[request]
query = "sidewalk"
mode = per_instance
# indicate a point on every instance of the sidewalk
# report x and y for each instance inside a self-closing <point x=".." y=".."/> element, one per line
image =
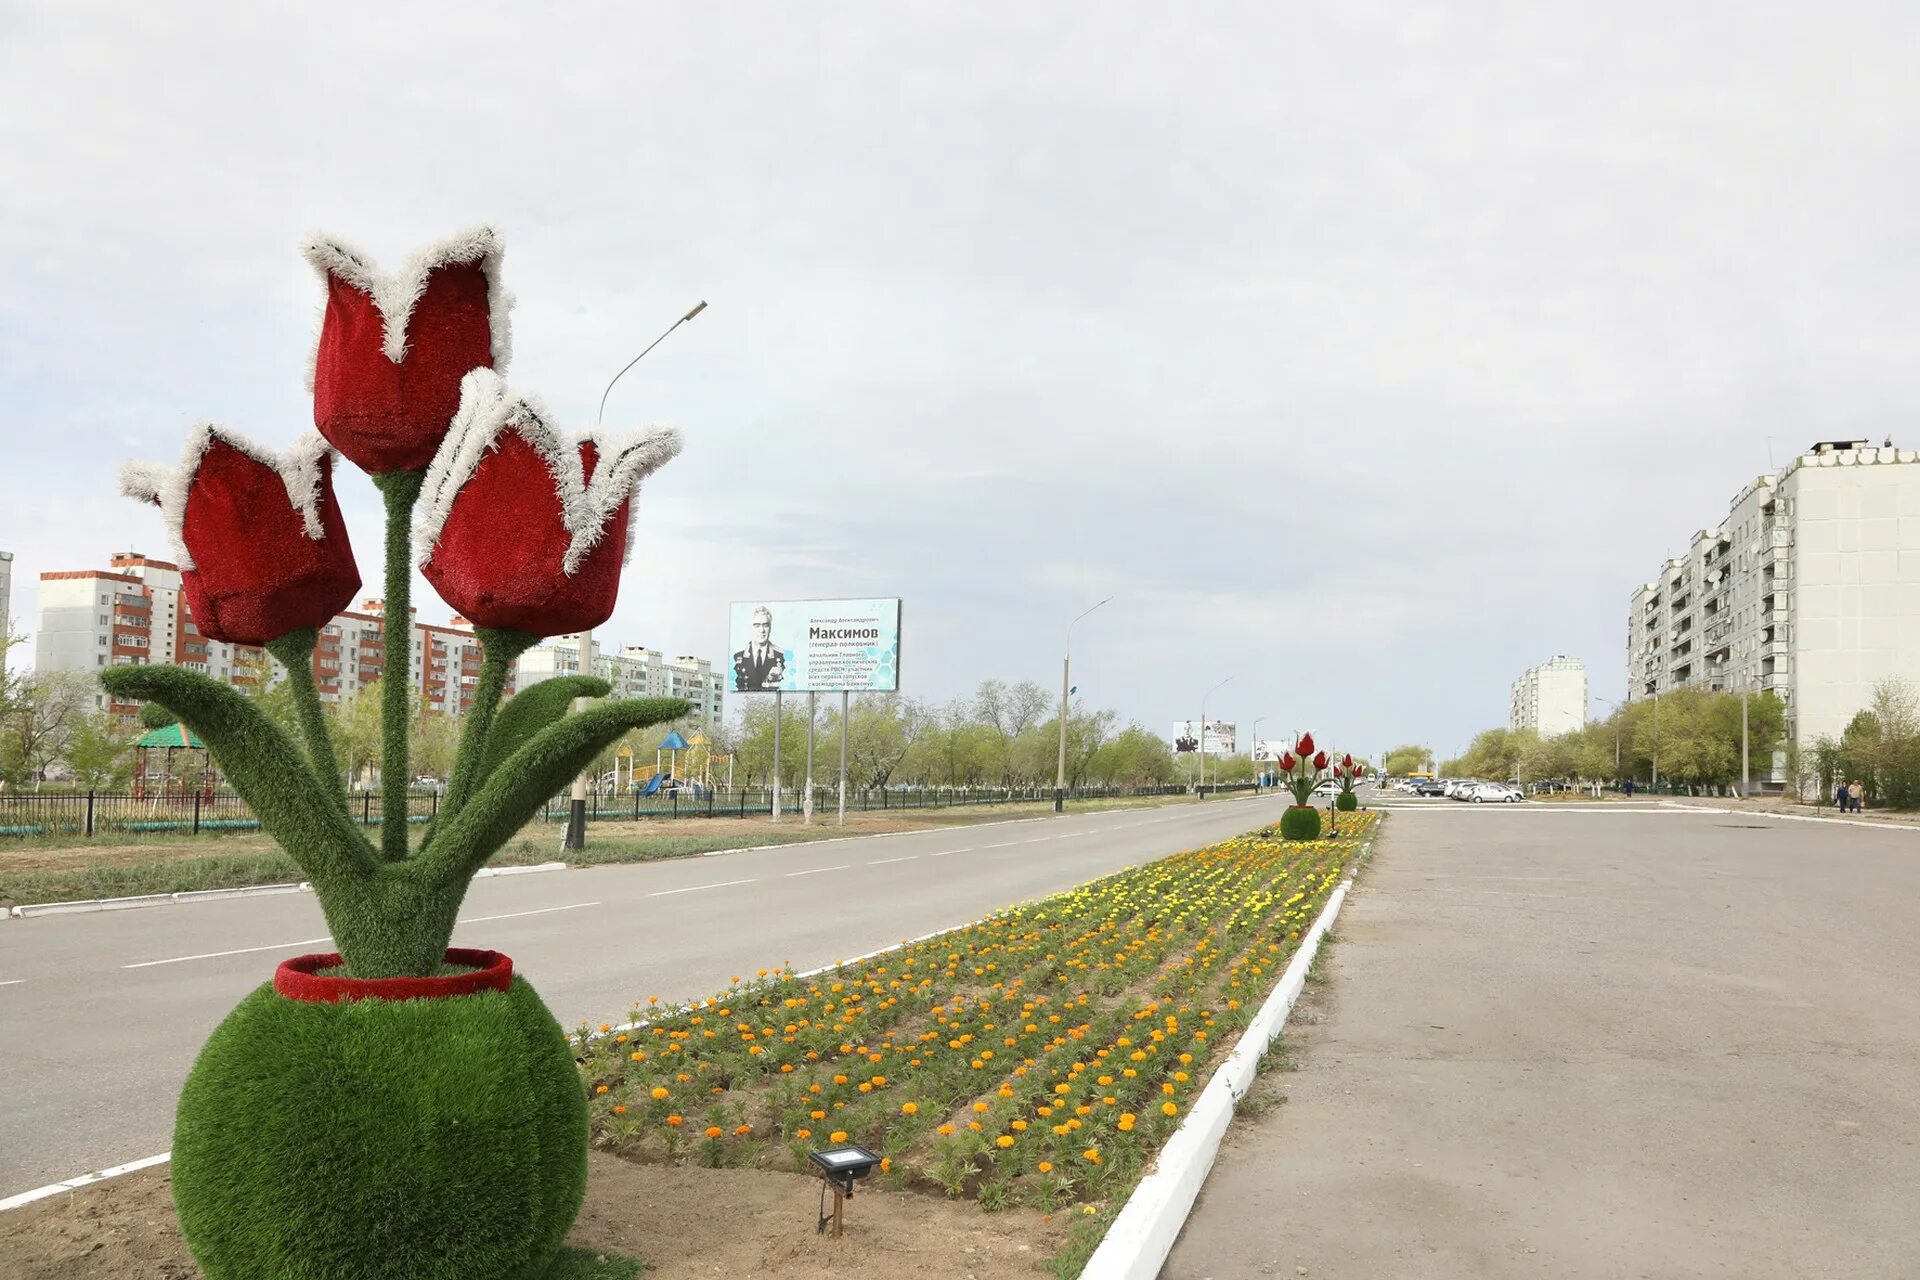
<point x="1794" y="809"/>
<point x="1588" y="1048"/>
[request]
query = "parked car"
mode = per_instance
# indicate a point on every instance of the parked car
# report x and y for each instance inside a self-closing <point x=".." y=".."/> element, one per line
<point x="1326" y="788"/>
<point x="1452" y="788"/>
<point x="1431" y="787"/>
<point x="1493" y="793"/>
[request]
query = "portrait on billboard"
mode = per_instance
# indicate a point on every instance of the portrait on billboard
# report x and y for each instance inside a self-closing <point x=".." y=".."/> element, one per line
<point x="759" y="667"/>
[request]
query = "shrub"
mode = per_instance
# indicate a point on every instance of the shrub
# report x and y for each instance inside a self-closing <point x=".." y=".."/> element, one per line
<point x="1300" y="822"/>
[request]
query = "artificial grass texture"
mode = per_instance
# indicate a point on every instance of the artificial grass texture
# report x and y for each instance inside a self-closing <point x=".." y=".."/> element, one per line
<point x="391" y="916"/>
<point x="1300" y="822"/>
<point x="382" y="1140"/>
<point x="1346" y="802"/>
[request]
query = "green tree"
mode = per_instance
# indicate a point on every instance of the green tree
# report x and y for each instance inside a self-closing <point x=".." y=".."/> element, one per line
<point x="1407" y="758"/>
<point x="99" y="751"/>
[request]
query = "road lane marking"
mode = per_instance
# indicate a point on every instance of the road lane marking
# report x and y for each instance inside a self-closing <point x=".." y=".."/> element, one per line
<point x="881" y="862"/>
<point x="969" y="849"/>
<point x="814" y="871"/>
<point x="695" y="888"/>
<point x="1004" y="844"/>
<point x="12" y="982"/>
<point x="511" y="915"/>
<point x="237" y="951"/>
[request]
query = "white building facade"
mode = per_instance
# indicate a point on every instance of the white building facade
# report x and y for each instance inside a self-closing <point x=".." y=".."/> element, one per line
<point x="1810" y="588"/>
<point x="634" y="672"/>
<point x="1550" y="699"/>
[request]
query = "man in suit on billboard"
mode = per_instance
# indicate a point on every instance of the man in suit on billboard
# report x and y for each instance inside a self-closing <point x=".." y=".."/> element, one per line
<point x="759" y="668"/>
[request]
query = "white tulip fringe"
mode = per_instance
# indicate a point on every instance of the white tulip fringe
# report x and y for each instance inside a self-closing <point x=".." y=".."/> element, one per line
<point x="488" y="409"/>
<point x="299" y="471"/>
<point x="396" y="295"/>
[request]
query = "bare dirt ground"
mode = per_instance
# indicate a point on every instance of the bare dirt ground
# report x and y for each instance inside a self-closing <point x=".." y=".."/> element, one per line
<point x="682" y="1222"/>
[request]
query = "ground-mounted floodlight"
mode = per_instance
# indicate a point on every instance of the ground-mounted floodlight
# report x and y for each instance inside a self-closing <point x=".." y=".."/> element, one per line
<point x="839" y="1168"/>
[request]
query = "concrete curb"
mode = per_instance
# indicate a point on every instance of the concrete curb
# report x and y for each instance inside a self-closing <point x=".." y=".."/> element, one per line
<point x="1142" y="1235"/>
<point x="30" y="910"/>
<point x="85" y="1179"/>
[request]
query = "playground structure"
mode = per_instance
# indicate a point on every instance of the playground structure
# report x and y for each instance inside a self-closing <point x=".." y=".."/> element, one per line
<point x="169" y="784"/>
<point x="623" y="778"/>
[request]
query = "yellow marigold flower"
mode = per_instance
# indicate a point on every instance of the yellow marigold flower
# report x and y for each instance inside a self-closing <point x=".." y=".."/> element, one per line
<point x="980" y="1108"/>
<point x="1019" y="1126"/>
<point x="1004" y="1141"/>
<point x="1092" y="1156"/>
<point x="910" y="1108"/>
<point x="838" y="1135"/>
<point x="1045" y="1166"/>
<point x="1169" y="1109"/>
<point x="659" y="1094"/>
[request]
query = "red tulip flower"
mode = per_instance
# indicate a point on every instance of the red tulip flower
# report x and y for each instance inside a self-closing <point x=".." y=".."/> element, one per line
<point x="262" y="548"/>
<point x="1320" y="761"/>
<point x="521" y="529"/>
<point x="1304" y="748"/>
<point x="393" y="348"/>
<point x="1348" y="762"/>
<point x="1287" y="762"/>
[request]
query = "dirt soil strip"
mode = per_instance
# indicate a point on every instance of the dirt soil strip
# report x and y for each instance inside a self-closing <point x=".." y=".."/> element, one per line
<point x="682" y="1222"/>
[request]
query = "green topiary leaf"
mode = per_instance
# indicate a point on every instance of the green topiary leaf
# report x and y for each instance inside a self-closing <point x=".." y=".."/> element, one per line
<point x="533" y="709"/>
<point x="530" y="776"/>
<point x="260" y="762"/>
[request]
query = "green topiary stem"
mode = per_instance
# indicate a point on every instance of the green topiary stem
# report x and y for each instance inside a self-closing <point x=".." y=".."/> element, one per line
<point x="295" y="652"/>
<point x="401" y="489"/>
<point x="502" y="647"/>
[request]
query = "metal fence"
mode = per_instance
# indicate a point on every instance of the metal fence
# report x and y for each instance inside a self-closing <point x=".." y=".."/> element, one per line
<point x="94" y="813"/>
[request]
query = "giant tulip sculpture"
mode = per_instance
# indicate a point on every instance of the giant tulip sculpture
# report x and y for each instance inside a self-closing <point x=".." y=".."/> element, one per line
<point x="1346" y="773"/>
<point x="1300" y="772"/>
<point x="395" y="1107"/>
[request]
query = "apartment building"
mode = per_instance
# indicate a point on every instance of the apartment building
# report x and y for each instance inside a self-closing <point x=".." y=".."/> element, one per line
<point x="1550" y="699"/>
<point x="1809" y="588"/>
<point x="127" y="615"/>
<point x="634" y="672"/>
<point x="134" y="612"/>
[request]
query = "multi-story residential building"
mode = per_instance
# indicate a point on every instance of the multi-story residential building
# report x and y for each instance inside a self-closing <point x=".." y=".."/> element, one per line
<point x="634" y="672"/>
<point x="135" y="613"/>
<point x="6" y="588"/>
<point x="1550" y="699"/>
<point x="1809" y="588"/>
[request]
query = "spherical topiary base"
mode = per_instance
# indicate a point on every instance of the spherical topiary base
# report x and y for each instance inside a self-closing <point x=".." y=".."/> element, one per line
<point x="1300" y="822"/>
<point x="432" y="1139"/>
<point x="1346" y="802"/>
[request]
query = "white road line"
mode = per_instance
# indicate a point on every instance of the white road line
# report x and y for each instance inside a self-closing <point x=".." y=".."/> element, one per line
<point x="511" y="915"/>
<point x="237" y="951"/>
<point x="814" y="871"/>
<point x="695" y="888"/>
<point x="969" y="849"/>
<point x="1004" y="844"/>
<point x="12" y="982"/>
<point x="881" y="862"/>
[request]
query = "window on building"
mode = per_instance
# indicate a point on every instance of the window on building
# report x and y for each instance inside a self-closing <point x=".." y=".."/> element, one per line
<point x="102" y="640"/>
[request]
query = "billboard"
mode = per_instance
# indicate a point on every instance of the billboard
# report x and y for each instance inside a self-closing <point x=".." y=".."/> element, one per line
<point x="1220" y="737"/>
<point x="815" y="646"/>
<point x="1267" y="750"/>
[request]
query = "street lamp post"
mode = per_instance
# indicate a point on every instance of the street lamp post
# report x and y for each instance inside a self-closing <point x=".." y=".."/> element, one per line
<point x="1253" y="748"/>
<point x="1066" y="667"/>
<point x="1200" y="793"/>
<point x="577" y="811"/>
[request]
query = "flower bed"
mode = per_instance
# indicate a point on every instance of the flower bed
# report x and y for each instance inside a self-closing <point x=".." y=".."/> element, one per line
<point x="1038" y="1057"/>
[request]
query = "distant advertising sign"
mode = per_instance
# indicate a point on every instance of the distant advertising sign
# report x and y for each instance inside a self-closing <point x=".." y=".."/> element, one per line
<point x="1220" y="737"/>
<point x="1268" y="751"/>
<point x="815" y="646"/>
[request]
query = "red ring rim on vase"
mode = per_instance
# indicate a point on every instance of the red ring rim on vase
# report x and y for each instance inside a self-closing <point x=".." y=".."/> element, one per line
<point x="300" y="979"/>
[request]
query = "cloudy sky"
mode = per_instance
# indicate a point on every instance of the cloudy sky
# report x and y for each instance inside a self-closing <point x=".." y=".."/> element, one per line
<point x="1366" y="353"/>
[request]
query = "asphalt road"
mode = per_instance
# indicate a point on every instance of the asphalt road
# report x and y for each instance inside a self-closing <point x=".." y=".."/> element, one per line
<point x="101" y="1014"/>
<point x="1603" y="1044"/>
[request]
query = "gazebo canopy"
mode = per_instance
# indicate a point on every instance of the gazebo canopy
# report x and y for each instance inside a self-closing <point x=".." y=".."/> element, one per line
<point x="173" y="735"/>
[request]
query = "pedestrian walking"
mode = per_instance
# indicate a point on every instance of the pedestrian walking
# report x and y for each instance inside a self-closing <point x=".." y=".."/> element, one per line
<point x="1857" y="796"/>
<point x="1629" y="786"/>
<point x="1840" y="794"/>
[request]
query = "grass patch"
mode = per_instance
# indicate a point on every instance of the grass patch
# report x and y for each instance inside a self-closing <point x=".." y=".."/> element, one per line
<point x="127" y="880"/>
<point x="591" y="1264"/>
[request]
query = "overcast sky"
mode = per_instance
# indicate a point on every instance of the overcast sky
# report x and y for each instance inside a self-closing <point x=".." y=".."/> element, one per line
<point x="1367" y="353"/>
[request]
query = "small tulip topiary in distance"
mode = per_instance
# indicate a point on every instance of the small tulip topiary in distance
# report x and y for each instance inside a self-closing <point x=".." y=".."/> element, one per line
<point x="1346" y="773"/>
<point x="395" y="1109"/>
<point x="1300" y="771"/>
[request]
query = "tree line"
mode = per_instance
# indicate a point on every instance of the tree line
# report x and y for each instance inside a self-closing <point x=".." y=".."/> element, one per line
<point x="1879" y="748"/>
<point x="1692" y="737"/>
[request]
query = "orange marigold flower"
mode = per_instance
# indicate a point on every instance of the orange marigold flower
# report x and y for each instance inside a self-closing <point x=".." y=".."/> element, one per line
<point x="886" y="1164"/>
<point x="945" y="1131"/>
<point x="1091" y="1155"/>
<point x="714" y="1131"/>
<point x="619" y="1111"/>
<point x="599" y="1089"/>
<point x="909" y="1108"/>
<point x="1004" y="1141"/>
<point x="803" y="1134"/>
<point x="676" y="1121"/>
<point x="838" y="1135"/>
<point x="1045" y="1166"/>
<point x="659" y="1093"/>
<point x="980" y="1108"/>
<point x="1169" y="1109"/>
<point x="743" y="1129"/>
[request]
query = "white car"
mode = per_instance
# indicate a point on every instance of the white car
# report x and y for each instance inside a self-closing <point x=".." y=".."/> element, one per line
<point x="1493" y="793"/>
<point x="1326" y="789"/>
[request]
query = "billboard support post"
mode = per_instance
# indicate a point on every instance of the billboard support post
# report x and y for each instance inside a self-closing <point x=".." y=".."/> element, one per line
<point x="1066" y="667"/>
<point x="806" y="804"/>
<point x="843" y="757"/>
<point x="778" y="716"/>
<point x="1200" y="793"/>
